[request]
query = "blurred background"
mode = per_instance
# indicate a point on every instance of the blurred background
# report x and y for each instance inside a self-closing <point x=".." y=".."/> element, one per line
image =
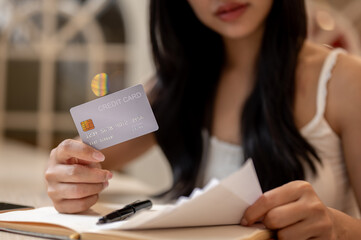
<point x="51" y="49"/>
<point x="49" y="52"/>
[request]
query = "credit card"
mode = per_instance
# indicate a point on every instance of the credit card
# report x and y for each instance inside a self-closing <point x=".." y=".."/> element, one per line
<point x="114" y="118"/>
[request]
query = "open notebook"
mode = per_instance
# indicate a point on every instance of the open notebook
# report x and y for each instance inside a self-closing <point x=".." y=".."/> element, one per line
<point x="213" y="212"/>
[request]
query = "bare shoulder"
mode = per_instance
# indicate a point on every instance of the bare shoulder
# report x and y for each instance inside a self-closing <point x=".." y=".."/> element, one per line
<point x="345" y="91"/>
<point x="310" y="64"/>
<point x="347" y="72"/>
<point x="344" y="86"/>
<point x="346" y="79"/>
<point x="312" y="57"/>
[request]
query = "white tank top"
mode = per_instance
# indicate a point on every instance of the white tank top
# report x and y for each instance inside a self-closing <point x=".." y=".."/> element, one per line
<point x="331" y="183"/>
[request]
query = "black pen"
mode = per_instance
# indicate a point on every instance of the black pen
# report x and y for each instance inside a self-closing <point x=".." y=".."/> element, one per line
<point x="125" y="212"/>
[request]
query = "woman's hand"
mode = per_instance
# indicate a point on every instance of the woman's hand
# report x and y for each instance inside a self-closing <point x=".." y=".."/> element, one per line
<point x="295" y="211"/>
<point x="74" y="176"/>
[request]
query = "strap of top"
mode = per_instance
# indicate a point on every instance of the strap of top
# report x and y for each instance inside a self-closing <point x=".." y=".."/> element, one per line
<point x="325" y="76"/>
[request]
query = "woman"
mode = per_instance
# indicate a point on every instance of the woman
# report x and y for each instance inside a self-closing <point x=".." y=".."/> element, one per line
<point x="242" y="73"/>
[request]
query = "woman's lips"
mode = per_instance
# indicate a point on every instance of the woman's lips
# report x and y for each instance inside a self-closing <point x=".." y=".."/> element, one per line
<point x="231" y="11"/>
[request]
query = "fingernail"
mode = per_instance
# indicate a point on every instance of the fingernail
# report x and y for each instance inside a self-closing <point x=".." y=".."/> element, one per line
<point x="109" y="175"/>
<point x="98" y="156"/>
<point x="106" y="184"/>
<point x="244" y="222"/>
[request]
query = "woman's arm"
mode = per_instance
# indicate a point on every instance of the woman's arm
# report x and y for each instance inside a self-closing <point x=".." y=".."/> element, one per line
<point x="294" y="209"/>
<point x="345" y="109"/>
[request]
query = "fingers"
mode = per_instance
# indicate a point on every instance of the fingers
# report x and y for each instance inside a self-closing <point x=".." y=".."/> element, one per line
<point x="74" y="176"/>
<point x="307" y="229"/>
<point x="71" y="150"/>
<point x="75" y="205"/>
<point x="293" y="209"/>
<point x="279" y="217"/>
<point x="74" y="197"/>
<point x="63" y="191"/>
<point x="300" y="230"/>
<point x="77" y="173"/>
<point x="287" y="193"/>
<point x="310" y="222"/>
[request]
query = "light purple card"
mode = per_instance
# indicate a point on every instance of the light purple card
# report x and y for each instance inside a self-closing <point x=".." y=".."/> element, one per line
<point x="114" y="118"/>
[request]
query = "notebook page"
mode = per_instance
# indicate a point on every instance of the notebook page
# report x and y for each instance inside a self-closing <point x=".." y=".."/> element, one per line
<point x="77" y="222"/>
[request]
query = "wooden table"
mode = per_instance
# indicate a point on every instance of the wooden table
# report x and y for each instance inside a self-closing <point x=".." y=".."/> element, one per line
<point x="22" y="181"/>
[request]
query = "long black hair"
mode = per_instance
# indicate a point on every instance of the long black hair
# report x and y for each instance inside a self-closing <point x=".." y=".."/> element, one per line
<point x="189" y="58"/>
